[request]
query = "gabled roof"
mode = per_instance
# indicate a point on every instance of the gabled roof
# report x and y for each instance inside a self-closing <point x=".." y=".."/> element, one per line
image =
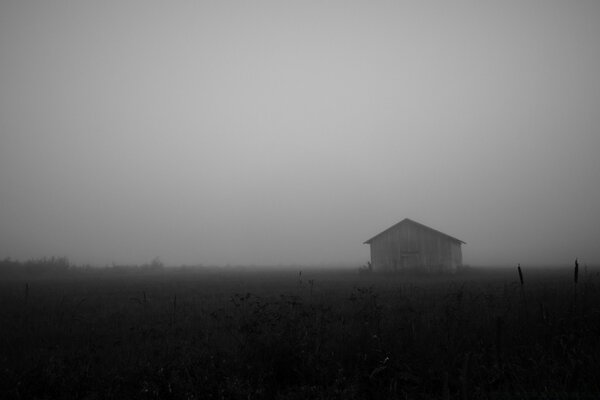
<point x="410" y="221"/>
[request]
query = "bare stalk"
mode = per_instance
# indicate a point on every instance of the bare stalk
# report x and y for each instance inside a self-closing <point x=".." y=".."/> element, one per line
<point x="520" y="274"/>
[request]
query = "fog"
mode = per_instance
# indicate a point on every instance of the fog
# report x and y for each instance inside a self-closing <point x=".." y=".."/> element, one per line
<point x="280" y="133"/>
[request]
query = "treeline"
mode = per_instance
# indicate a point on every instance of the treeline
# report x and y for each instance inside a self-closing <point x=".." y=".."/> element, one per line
<point x="53" y="266"/>
<point x="36" y="266"/>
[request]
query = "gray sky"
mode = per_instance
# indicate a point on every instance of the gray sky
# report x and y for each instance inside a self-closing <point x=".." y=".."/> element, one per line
<point x="267" y="132"/>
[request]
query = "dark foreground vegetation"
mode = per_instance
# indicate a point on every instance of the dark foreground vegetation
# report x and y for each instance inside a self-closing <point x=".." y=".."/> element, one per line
<point x="159" y="333"/>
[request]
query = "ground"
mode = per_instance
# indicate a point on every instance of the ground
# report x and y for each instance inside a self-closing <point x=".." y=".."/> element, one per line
<point x="214" y="333"/>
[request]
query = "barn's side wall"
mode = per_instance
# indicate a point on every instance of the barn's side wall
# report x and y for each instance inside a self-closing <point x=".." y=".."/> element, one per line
<point x="456" y="250"/>
<point x="410" y="246"/>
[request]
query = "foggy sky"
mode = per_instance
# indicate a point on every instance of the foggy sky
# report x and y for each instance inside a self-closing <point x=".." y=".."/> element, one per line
<point x="276" y="132"/>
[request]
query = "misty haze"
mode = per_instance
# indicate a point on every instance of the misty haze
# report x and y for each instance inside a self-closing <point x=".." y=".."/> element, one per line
<point x="299" y="199"/>
<point x="287" y="134"/>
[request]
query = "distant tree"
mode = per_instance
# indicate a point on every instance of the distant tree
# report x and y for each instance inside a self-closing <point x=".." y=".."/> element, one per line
<point x="155" y="264"/>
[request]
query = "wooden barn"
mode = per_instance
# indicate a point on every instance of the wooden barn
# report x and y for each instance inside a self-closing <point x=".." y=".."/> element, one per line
<point x="411" y="246"/>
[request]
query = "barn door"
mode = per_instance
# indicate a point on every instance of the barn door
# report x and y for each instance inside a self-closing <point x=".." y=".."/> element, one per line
<point x="410" y="260"/>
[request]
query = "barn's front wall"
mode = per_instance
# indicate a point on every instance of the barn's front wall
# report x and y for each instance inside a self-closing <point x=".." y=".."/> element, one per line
<point x="411" y="246"/>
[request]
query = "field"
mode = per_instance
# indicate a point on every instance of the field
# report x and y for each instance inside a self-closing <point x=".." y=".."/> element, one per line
<point x="242" y="333"/>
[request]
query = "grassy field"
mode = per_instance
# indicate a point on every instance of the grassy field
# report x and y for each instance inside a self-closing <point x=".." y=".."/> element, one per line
<point x="242" y="333"/>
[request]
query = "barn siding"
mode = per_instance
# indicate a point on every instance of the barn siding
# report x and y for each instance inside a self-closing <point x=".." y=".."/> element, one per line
<point x="409" y="245"/>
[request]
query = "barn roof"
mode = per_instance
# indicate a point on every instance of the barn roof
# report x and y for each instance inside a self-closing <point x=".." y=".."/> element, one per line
<point x="408" y="220"/>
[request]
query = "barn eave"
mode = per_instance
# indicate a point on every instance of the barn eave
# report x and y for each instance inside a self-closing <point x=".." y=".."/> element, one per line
<point x="408" y="220"/>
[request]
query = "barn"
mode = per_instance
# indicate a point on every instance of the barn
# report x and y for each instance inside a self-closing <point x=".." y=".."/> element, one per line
<point x="411" y="246"/>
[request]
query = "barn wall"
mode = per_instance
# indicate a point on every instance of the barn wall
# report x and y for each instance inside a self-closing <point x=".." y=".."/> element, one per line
<point x="456" y="255"/>
<point x="410" y="246"/>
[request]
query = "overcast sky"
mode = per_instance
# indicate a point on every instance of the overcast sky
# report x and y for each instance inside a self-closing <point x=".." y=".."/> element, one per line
<point x="288" y="132"/>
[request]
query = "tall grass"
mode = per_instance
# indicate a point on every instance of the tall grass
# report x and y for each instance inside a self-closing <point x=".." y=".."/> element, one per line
<point x="262" y="335"/>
